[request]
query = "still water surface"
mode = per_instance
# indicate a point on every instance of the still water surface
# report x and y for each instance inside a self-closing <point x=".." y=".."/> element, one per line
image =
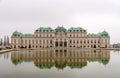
<point x="60" y="63"/>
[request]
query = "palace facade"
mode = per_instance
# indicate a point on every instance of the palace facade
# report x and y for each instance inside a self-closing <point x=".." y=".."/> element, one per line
<point x="46" y="37"/>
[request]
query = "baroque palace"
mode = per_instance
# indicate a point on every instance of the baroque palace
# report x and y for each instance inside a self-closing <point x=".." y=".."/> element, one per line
<point x="46" y="37"/>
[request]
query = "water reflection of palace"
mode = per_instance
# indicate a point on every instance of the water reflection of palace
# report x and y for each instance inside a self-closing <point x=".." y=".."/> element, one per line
<point x="60" y="58"/>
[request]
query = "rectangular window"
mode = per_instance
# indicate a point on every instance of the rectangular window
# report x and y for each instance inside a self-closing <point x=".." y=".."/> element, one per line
<point x="50" y="41"/>
<point x="43" y="41"/>
<point x="14" y="40"/>
<point x="106" y="41"/>
<point x="50" y="35"/>
<point x="25" y="41"/>
<point x="36" y="41"/>
<point x="40" y="41"/>
<point x="70" y="41"/>
<point x="29" y="42"/>
<point x="98" y="41"/>
<point x="33" y="41"/>
<point x="47" y="41"/>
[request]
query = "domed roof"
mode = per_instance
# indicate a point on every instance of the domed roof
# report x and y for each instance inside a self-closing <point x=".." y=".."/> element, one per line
<point x="104" y="33"/>
<point x="60" y="29"/>
<point x="19" y="34"/>
<point x="100" y="34"/>
<point x="16" y="33"/>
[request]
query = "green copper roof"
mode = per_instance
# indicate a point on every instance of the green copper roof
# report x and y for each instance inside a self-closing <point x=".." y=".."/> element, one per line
<point x="44" y="29"/>
<point x="77" y="29"/>
<point x="19" y="34"/>
<point x="27" y="35"/>
<point x="60" y="29"/>
<point x="104" y="33"/>
<point x="100" y="34"/>
<point x="93" y="35"/>
<point x="16" y="33"/>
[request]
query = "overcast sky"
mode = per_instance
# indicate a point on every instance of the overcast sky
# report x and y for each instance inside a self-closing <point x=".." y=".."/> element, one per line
<point x="92" y="15"/>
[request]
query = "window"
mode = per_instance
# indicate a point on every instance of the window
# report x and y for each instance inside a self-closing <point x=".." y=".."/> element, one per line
<point x="43" y="41"/>
<point x="84" y="41"/>
<point x="98" y="41"/>
<point x="36" y="41"/>
<point x="25" y="41"/>
<point x="74" y="41"/>
<point x="36" y="35"/>
<point x="40" y="41"/>
<point x="73" y="35"/>
<point x="81" y="41"/>
<point x="88" y="41"/>
<point x="47" y="41"/>
<point x="50" y="41"/>
<point x="50" y="35"/>
<point x="47" y="35"/>
<point x="14" y="41"/>
<point x="106" y="41"/>
<point x="33" y="41"/>
<point x="88" y="45"/>
<point x="95" y="41"/>
<point x="70" y="41"/>
<point x="29" y="41"/>
<point x="91" y="41"/>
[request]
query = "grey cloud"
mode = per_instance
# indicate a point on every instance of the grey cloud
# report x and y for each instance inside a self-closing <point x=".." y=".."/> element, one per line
<point x="23" y="14"/>
<point x="47" y="9"/>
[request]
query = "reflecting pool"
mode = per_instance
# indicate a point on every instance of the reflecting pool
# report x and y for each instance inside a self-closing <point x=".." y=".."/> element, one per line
<point x="60" y="63"/>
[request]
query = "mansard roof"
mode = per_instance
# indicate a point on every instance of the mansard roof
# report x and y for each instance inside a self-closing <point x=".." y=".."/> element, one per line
<point x="28" y="35"/>
<point x="44" y="29"/>
<point x="93" y="35"/>
<point x="77" y="29"/>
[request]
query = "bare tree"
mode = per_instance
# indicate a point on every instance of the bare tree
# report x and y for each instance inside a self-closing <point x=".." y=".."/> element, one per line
<point x="4" y="40"/>
<point x="1" y="42"/>
<point x="7" y="40"/>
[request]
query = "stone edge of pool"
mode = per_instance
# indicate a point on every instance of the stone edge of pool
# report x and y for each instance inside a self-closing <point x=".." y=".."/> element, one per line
<point x="8" y="50"/>
<point x="4" y="51"/>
